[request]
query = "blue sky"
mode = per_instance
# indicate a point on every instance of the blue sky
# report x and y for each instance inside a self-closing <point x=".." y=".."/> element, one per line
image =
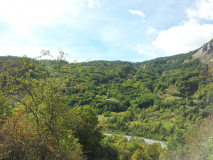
<point x="135" y="30"/>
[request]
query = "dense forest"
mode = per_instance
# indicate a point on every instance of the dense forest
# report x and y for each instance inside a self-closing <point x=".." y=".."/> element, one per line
<point x="53" y="109"/>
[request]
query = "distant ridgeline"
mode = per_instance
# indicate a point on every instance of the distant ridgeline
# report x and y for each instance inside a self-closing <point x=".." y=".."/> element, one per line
<point x="134" y="84"/>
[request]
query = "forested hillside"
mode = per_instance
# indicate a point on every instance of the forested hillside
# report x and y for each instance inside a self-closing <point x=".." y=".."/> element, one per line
<point x="52" y="109"/>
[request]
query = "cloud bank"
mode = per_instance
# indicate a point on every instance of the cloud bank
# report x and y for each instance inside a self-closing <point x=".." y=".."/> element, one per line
<point x="203" y="10"/>
<point x="188" y="35"/>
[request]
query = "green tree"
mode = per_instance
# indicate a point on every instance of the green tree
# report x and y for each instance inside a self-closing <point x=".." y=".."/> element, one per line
<point x="153" y="151"/>
<point x="176" y="141"/>
<point x="139" y="155"/>
<point x="83" y="122"/>
<point x="5" y="109"/>
<point x="41" y="103"/>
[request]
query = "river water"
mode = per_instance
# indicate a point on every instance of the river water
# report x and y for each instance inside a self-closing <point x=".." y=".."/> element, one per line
<point x="148" y="141"/>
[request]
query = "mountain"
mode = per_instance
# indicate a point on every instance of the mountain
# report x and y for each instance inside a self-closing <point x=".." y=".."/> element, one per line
<point x="161" y="99"/>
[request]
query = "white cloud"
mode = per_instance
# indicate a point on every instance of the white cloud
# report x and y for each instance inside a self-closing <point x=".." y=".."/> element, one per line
<point x="151" y="30"/>
<point x="204" y="10"/>
<point x="81" y="4"/>
<point x="184" y="38"/>
<point x="74" y="10"/>
<point x="23" y="15"/>
<point x="37" y="12"/>
<point x="142" y="51"/>
<point x="98" y="4"/>
<point x="90" y="3"/>
<point x="137" y="12"/>
<point x="21" y="50"/>
<point x="189" y="35"/>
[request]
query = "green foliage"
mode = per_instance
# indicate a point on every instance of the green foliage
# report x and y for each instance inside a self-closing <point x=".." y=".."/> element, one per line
<point x="5" y="109"/>
<point x="139" y="155"/>
<point x="55" y="96"/>
<point x="85" y="127"/>
<point x="152" y="151"/>
<point x="108" y="150"/>
<point x="38" y="116"/>
<point x="196" y="143"/>
<point x="107" y="114"/>
<point x="177" y="141"/>
<point x="21" y="141"/>
<point x="132" y="149"/>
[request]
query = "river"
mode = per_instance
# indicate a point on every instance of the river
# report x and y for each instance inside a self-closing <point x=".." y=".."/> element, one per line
<point x="148" y="141"/>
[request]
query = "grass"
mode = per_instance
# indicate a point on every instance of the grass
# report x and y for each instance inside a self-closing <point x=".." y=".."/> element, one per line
<point x="165" y="124"/>
<point x="102" y="116"/>
<point x="151" y="122"/>
<point x="167" y="96"/>
<point x="172" y="89"/>
<point x="170" y="97"/>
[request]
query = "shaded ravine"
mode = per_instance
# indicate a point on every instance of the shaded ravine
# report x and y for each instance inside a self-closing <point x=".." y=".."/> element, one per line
<point x="148" y="141"/>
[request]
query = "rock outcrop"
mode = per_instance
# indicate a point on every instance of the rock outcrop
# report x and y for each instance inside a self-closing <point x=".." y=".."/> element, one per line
<point x="205" y="53"/>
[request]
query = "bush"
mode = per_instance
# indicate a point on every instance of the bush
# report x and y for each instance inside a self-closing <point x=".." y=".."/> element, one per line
<point x="107" y="114"/>
<point x="19" y="140"/>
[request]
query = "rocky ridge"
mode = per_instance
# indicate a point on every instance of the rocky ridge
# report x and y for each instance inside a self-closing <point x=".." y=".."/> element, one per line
<point x="205" y="53"/>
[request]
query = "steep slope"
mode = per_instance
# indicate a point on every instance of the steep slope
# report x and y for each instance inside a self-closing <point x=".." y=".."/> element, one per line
<point x="205" y="53"/>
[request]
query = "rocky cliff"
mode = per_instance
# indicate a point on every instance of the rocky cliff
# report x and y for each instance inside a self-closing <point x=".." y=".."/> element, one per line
<point x="205" y="53"/>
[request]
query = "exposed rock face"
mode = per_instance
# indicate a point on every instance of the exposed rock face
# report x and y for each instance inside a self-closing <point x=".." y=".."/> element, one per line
<point x="207" y="48"/>
<point x="153" y="65"/>
<point x="205" y="53"/>
<point x="186" y="61"/>
<point x="206" y="66"/>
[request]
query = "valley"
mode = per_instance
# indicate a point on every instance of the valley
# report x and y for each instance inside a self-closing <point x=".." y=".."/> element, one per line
<point x="66" y="108"/>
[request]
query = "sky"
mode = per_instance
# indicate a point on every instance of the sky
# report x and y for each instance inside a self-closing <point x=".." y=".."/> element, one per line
<point x="87" y="30"/>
